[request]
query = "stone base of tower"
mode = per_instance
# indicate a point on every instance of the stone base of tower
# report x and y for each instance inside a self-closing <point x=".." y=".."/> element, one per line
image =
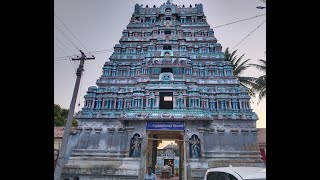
<point x="129" y="168"/>
<point x="103" y="168"/>
<point x="100" y="149"/>
<point x="223" y="159"/>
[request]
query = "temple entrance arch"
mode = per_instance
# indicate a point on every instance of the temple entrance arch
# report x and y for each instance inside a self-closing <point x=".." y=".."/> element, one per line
<point x="165" y="153"/>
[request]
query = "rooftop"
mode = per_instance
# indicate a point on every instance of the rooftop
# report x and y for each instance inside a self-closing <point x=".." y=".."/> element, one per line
<point x="172" y="146"/>
<point x="58" y="131"/>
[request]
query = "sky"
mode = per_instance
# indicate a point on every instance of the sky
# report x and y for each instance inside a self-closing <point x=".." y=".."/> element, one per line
<point x="97" y="25"/>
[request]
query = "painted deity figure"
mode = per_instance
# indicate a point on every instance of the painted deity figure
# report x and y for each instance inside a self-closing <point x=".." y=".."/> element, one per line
<point x="135" y="146"/>
<point x="194" y="147"/>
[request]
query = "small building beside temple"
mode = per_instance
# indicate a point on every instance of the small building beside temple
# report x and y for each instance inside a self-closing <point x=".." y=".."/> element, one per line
<point x="262" y="143"/>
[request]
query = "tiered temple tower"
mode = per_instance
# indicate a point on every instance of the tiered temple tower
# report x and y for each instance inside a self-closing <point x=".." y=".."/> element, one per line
<point x="166" y="80"/>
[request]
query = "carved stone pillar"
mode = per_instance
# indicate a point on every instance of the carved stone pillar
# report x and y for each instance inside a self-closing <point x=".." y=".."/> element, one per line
<point x="135" y="103"/>
<point x="181" y="159"/>
<point x="157" y="102"/>
<point x="120" y="131"/>
<point x="103" y="102"/>
<point x="186" y="158"/>
<point x="114" y="103"/>
<point x="144" y="152"/>
<point x="128" y="103"/>
<point x="147" y="103"/>
<point x="121" y="104"/>
<point x="207" y="103"/>
<point x="218" y="106"/>
<point x="201" y="132"/>
<point x="129" y="130"/>
<point x="110" y="131"/>
<point x="124" y="104"/>
<point x="97" y="131"/>
<point x="93" y="102"/>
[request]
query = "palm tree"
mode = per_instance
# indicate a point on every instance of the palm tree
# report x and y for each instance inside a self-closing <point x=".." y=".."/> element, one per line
<point x="239" y="66"/>
<point x="261" y="81"/>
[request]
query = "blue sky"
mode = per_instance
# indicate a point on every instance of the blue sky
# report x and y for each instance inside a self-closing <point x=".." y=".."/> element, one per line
<point x="98" y="24"/>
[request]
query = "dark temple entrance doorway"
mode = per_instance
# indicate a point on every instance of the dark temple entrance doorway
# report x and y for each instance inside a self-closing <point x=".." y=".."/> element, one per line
<point x="165" y="152"/>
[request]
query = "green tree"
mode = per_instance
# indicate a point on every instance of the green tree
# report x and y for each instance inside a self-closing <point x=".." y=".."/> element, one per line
<point x="239" y="66"/>
<point x="61" y="115"/>
<point x="64" y="113"/>
<point x="261" y="81"/>
<point x="58" y="120"/>
<point x="57" y="109"/>
<point x="74" y="122"/>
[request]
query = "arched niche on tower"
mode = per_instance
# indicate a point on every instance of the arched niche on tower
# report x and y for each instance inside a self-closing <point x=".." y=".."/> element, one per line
<point x="166" y="77"/>
<point x="195" y="146"/>
<point x="135" y="146"/>
<point x="167" y="53"/>
<point x="164" y="8"/>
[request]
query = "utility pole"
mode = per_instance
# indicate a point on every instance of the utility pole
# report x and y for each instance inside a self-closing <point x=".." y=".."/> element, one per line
<point x="61" y="161"/>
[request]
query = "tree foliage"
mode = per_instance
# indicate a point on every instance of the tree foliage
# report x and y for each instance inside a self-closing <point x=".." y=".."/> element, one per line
<point x="262" y="80"/>
<point x="240" y="66"/>
<point x="61" y="115"/>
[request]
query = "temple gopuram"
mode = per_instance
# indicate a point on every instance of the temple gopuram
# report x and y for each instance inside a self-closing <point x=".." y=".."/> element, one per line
<point x="167" y="79"/>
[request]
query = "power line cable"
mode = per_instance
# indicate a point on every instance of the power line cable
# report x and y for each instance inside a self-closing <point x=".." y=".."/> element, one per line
<point x="249" y="34"/>
<point x="73" y="65"/>
<point x="94" y="52"/>
<point x="63" y="33"/>
<point x="239" y="21"/>
<point x="61" y="49"/>
<point x="67" y="54"/>
<point x="65" y="46"/>
<point x="61" y="59"/>
<point x="71" y="33"/>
